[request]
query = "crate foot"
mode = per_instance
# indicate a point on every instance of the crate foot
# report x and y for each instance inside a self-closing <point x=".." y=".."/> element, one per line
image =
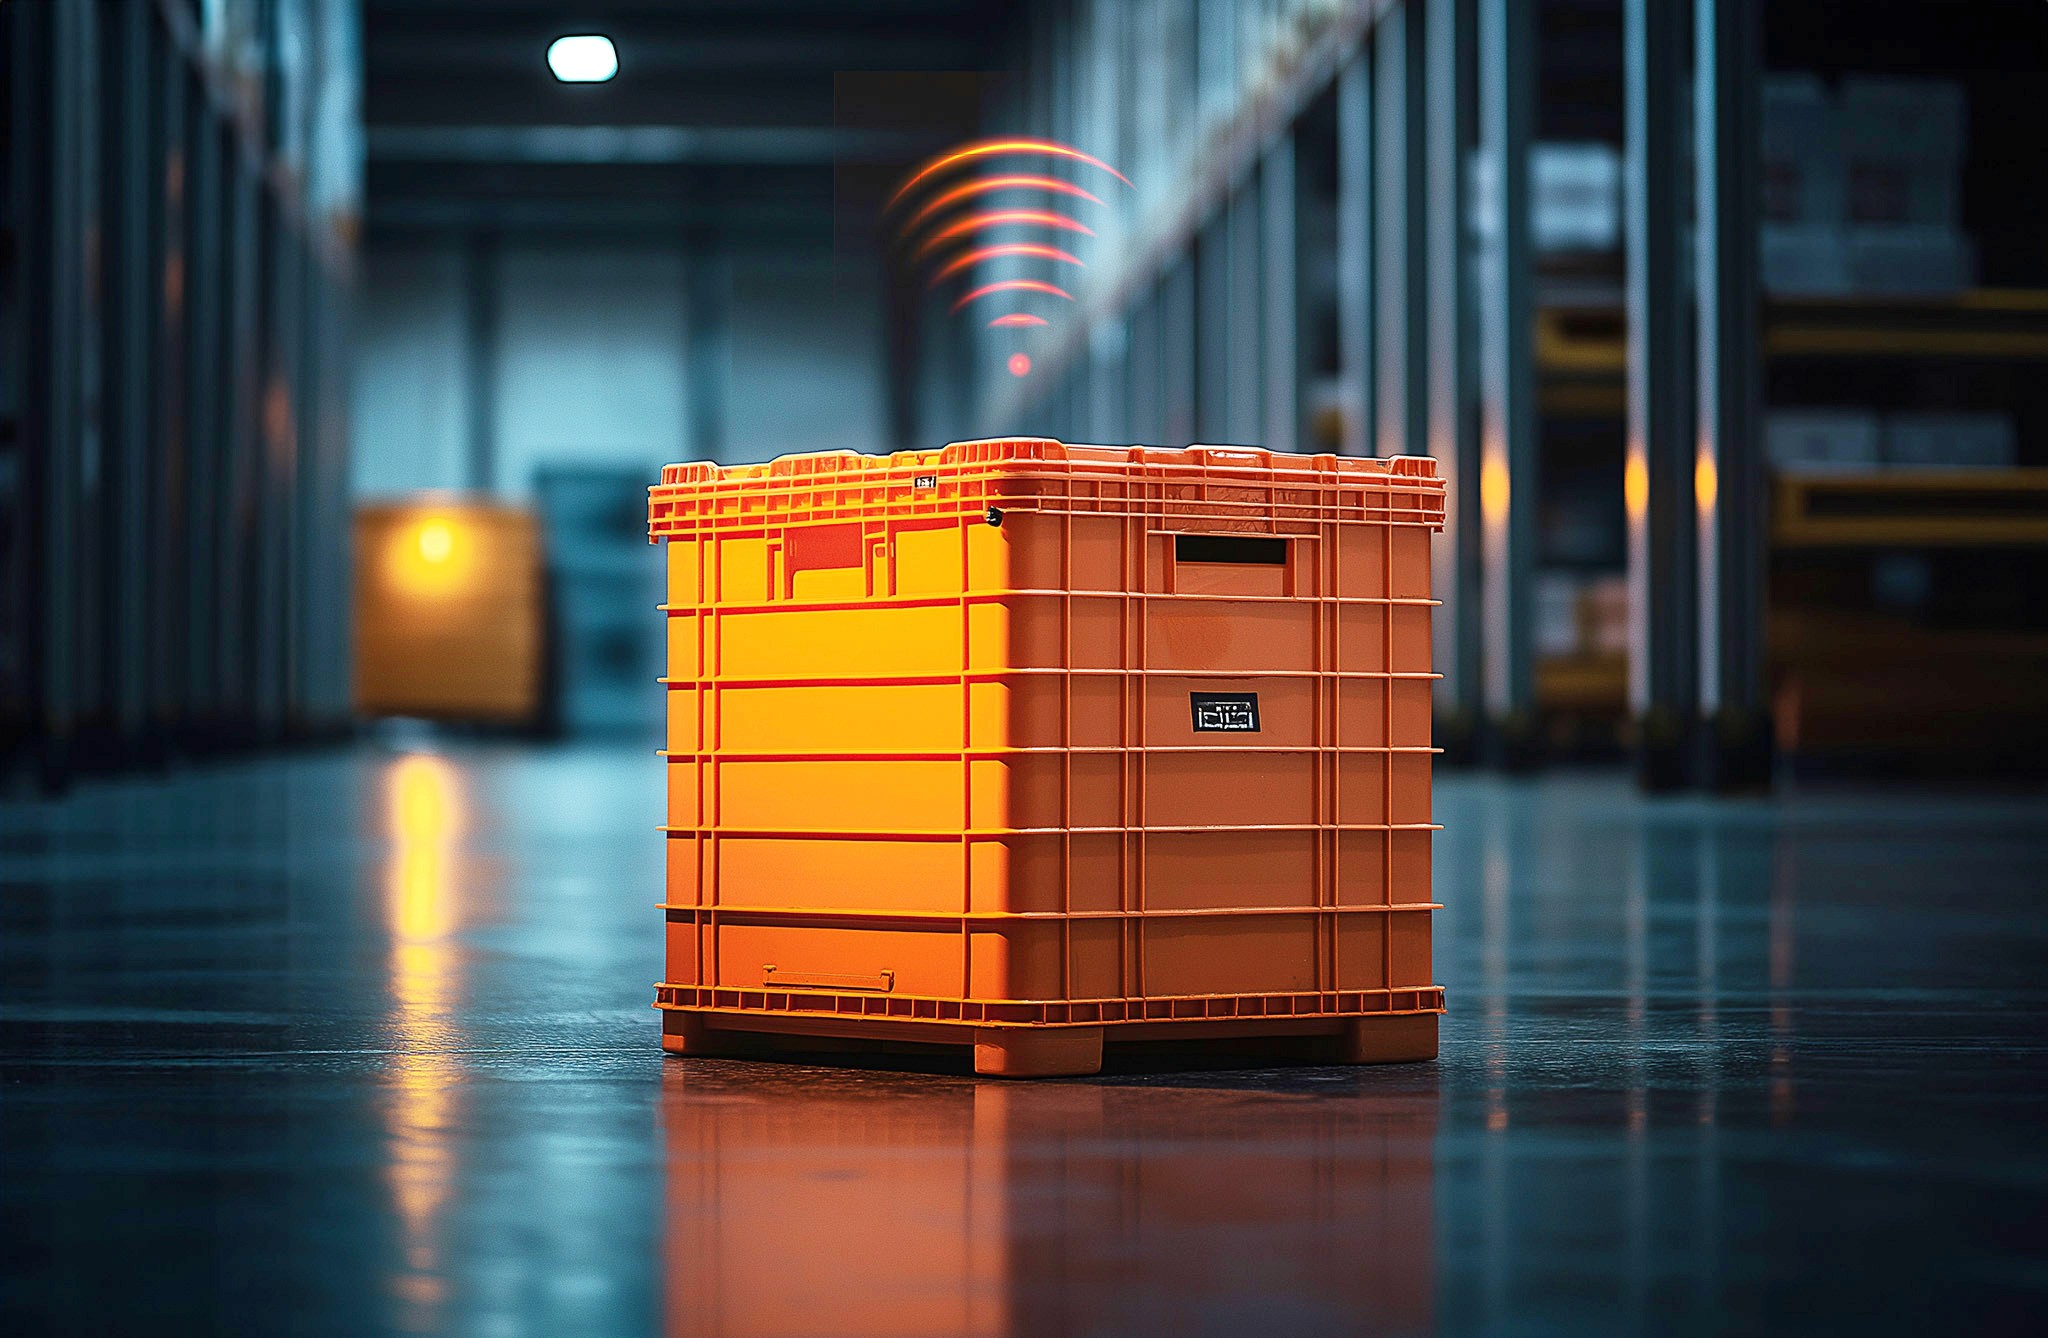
<point x="1049" y="1052"/>
<point x="687" y="1034"/>
<point x="1403" y="1038"/>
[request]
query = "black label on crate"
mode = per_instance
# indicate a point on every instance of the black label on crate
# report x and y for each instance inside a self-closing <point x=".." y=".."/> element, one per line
<point x="925" y="481"/>
<point x="1225" y="712"/>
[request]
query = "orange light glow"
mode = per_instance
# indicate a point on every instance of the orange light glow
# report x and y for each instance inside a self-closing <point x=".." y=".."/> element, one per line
<point x="431" y="557"/>
<point x="984" y="185"/>
<point x="437" y="541"/>
<point x="1014" y="319"/>
<point x="1493" y="492"/>
<point x="981" y="253"/>
<point x="996" y="218"/>
<point x="1020" y="364"/>
<point x="1706" y="481"/>
<point x="1635" y="487"/>
<point x="1015" y="286"/>
<point x="995" y="147"/>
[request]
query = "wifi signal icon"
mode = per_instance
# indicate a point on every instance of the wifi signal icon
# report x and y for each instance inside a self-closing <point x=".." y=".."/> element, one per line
<point x="953" y="228"/>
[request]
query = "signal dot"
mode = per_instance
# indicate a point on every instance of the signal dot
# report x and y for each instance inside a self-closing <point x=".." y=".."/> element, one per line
<point x="1020" y="364"/>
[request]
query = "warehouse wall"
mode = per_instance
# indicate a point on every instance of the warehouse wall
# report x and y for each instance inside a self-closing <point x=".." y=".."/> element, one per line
<point x="590" y="361"/>
<point x="410" y="402"/>
<point x="806" y="370"/>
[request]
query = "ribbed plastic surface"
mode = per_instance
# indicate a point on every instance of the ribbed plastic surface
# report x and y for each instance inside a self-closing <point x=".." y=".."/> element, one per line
<point x="1022" y="735"/>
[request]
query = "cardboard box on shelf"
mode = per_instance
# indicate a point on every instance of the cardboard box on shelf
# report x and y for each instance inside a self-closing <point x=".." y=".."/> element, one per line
<point x="1951" y="440"/>
<point x="1603" y="614"/>
<point x="1580" y="614"/>
<point x="1805" y="259"/>
<point x="1909" y="260"/>
<point x="1555" y="599"/>
<point x="1575" y="197"/>
<point x="1802" y="154"/>
<point x="1902" y="147"/>
<point x="1804" y="440"/>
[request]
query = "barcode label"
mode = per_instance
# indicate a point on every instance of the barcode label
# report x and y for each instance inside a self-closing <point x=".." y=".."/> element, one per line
<point x="1225" y="712"/>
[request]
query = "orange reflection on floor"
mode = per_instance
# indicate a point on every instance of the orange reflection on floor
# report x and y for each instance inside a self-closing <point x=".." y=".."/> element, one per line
<point x="865" y="1204"/>
<point x="424" y="817"/>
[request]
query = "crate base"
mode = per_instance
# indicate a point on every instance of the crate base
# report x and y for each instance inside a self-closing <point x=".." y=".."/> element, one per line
<point x="1042" y="1051"/>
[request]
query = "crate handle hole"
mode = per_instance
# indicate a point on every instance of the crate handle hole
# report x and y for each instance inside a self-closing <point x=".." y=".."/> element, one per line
<point x="1242" y="550"/>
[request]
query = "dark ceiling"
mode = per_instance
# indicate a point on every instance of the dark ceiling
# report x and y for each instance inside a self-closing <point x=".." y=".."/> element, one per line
<point x="743" y="114"/>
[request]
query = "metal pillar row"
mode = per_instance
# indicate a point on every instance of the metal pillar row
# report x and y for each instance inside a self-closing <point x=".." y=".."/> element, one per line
<point x="1508" y="483"/>
<point x="1657" y="478"/>
<point x="173" y="478"/>
<point x="1694" y="486"/>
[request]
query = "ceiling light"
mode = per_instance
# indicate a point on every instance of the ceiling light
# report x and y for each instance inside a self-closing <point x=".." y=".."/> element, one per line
<point x="589" y="59"/>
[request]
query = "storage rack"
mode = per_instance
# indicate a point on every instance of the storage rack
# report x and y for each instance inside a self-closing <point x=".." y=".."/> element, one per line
<point x="179" y="207"/>
<point x="1331" y="141"/>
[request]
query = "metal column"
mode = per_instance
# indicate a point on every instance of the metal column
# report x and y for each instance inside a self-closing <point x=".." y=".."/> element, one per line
<point x="1454" y="558"/>
<point x="171" y="558"/>
<point x="1280" y="294"/>
<point x="1657" y="486"/>
<point x="131" y="415"/>
<point x="1355" y="361"/>
<point x="1507" y="439"/>
<point x="1398" y="196"/>
<point x="1729" y="482"/>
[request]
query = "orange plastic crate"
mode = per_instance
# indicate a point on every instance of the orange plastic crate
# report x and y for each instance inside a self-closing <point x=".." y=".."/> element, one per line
<point x="1016" y="743"/>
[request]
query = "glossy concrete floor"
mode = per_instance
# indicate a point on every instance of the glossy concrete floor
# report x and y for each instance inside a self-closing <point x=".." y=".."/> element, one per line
<point x="359" y="1043"/>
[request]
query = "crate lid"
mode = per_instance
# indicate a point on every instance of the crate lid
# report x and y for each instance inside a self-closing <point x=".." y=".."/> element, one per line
<point x="995" y="452"/>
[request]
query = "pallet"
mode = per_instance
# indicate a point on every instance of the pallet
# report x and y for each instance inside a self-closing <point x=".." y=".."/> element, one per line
<point x="1043" y="1051"/>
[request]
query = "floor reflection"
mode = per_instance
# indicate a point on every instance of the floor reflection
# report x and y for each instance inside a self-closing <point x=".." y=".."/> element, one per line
<point x="805" y="1200"/>
<point x="424" y="812"/>
<point x="1709" y="1067"/>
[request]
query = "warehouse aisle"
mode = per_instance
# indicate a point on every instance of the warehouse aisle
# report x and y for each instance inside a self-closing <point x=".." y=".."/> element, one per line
<point x="359" y="1042"/>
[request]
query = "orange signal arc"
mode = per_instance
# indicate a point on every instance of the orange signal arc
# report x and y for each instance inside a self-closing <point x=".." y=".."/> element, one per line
<point x="1015" y="286"/>
<point x="1001" y="146"/>
<point x="981" y="253"/>
<point x="996" y="218"/>
<point x="983" y="185"/>
<point x="1016" y="318"/>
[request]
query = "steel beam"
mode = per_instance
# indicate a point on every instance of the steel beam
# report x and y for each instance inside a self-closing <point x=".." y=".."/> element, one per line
<point x="1507" y="440"/>
<point x="1658" y="483"/>
<point x="1399" y="309"/>
<point x="1729" y="488"/>
<point x="1452" y="419"/>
